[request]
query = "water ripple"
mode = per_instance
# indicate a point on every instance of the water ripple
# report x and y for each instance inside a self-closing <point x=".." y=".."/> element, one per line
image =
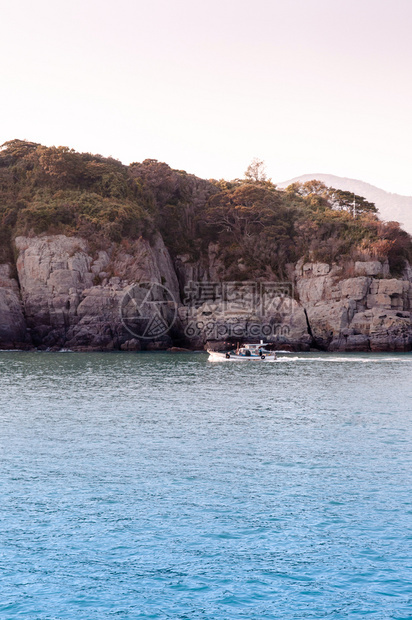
<point x="162" y="486"/>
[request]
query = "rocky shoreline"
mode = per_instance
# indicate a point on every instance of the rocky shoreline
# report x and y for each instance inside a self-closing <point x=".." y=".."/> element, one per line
<point x="63" y="294"/>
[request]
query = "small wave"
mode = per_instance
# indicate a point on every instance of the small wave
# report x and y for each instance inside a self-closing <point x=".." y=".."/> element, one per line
<point x="327" y="358"/>
<point x="11" y="350"/>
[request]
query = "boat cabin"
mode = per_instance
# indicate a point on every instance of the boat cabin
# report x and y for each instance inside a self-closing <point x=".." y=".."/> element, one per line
<point x="249" y="350"/>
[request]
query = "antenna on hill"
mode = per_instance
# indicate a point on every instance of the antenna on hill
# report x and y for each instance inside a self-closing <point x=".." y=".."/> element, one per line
<point x="354" y="206"/>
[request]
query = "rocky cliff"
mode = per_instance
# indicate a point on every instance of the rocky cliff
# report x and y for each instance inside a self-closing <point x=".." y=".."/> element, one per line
<point x="96" y="255"/>
<point x="369" y="311"/>
<point x="13" y="329"/>
<point x="66" y="295"/>
<point x="62" y="293"/>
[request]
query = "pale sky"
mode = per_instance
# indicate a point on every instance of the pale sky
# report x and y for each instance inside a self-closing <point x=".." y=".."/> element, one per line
<point x="306" y="85"/>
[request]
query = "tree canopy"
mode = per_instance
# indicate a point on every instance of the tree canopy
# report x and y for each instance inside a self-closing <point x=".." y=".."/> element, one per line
<point x="333" y="198"/>
<point x="259" y="229"/>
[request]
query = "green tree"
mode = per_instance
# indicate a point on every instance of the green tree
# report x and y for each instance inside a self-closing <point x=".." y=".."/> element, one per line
<point x="348" y="201"/>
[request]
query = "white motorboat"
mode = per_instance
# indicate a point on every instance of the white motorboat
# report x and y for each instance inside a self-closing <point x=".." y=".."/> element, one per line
<point x="245" y="353"/>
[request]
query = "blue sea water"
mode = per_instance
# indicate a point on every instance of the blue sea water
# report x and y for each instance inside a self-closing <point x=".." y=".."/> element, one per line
<point x="164" y="486"/>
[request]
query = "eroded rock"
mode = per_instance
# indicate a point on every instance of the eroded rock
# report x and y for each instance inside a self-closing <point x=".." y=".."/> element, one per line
<point x="13" y="329"/>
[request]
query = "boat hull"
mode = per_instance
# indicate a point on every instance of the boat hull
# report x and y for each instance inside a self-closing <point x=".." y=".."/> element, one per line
<point x="217" y="356"/>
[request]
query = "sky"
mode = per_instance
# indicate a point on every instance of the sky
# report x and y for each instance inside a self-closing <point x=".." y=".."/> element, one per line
<point x="306" y="85"/>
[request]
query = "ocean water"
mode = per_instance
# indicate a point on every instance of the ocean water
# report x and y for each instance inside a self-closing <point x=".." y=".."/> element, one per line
<point x="164" y="486"/>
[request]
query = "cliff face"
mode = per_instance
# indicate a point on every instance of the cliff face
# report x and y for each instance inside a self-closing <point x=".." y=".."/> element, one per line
<point x="361" y="313"/>
<point x="13" y="333"/>
<point x="69" y="296"/>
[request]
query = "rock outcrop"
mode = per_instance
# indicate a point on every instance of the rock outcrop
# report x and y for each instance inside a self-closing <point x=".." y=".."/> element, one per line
<point x="13" y="331"/>
<point x="69" y="295"/>
<point x="368" y="311"/>
<point x="72" y="296"/>
<point x="360" y="313"/>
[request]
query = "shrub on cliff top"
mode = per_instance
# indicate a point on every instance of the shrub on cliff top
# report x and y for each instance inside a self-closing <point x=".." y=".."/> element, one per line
<point x="56" y="190"/>
<point x="259" y="228"/>
<point x="268" y="228"/>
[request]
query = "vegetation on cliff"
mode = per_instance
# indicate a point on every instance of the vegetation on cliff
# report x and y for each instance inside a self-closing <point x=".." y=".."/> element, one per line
<point x="260" y="229"/>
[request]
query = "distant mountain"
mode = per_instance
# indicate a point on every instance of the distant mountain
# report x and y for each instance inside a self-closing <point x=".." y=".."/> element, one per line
<point x="390" y="206"/>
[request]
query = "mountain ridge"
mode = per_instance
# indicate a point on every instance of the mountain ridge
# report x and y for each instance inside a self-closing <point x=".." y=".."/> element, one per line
<point x="391" y="206"/>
